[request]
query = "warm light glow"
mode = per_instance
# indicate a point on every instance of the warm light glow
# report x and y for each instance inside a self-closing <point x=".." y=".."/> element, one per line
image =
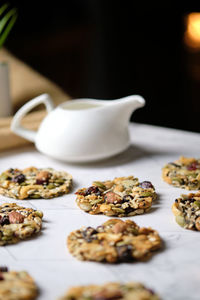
<point x="192" y="34"/>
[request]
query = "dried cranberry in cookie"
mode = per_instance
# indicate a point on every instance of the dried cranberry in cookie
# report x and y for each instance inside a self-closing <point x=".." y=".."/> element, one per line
<point x="19" y="178"/>
<point x="146" y="185"/>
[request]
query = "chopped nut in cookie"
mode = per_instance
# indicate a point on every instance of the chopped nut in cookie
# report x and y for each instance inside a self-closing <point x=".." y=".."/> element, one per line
<point x="15" y="217"/>
<point x="119" y="227"/>
<point x="42" y="177"/>
<point x="112" y="197"/>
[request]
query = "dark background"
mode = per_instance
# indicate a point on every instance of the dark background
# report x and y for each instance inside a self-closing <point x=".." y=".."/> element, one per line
<point x="109" y="49"/>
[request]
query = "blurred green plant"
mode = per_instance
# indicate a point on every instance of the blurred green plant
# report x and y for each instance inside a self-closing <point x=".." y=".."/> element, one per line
<point x="8" y="17"/>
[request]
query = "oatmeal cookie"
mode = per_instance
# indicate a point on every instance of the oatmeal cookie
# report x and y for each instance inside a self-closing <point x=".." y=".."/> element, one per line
<point x="123" y="196"/>
<point x="114" y="241"/>
<point x="187" y="211"/>
<point x="111" y="290"/>
<point x="18" y="223"/>
<point x="33" y="183"/>
<point x="183" y="173"/>
<point x="16" y="285"/>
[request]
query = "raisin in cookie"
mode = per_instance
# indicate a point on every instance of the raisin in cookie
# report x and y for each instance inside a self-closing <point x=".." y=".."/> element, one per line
<point x="114" y="241"/>
<point x="183" y="173"/>
<point x="187" y="211"/>
<point x="18" y="223"/>
<point x="34" y="183"/>
<point x="111" y="290"/>
<point x="17" y="285"/>
<point x="123" y="196"/>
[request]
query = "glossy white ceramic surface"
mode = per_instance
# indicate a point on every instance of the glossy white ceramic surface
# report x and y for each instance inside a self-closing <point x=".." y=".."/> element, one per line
<point x="81" y="130"/>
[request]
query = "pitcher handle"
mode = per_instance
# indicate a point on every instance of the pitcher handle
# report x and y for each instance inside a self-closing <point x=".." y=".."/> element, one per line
<point x="16" y="126"/>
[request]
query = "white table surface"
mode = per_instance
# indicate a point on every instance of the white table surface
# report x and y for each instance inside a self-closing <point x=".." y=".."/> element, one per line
<point x="173" y="272"/>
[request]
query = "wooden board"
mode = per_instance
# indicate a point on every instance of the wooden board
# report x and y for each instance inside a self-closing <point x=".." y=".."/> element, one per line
<point x="25" y="84"/>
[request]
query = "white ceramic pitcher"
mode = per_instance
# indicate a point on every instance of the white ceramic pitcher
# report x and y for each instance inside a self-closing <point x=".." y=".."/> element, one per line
<point x="80" y="130"/>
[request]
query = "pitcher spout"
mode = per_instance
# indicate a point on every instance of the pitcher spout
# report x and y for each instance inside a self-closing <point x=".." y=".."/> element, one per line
<point x="127" y="105"/>
<point x="132" y="102"/>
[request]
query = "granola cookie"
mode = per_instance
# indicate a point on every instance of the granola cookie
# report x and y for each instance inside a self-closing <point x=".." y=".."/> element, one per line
<point x="16" y="285"/>
<point x="114" y="241"/>
<point x="183" y="173"/>
<point x="111" y="290"/>
<point x="187" y="211"/>
<point x="18" y="223"/>
<point x="123" y="196"/>
<point x="34" y="183"/>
